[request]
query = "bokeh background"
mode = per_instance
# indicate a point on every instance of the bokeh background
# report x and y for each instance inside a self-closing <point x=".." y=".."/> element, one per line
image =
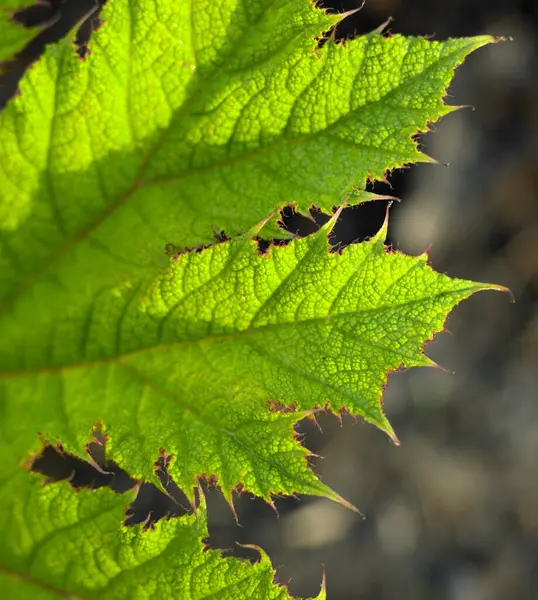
<point x="452" y="514"/>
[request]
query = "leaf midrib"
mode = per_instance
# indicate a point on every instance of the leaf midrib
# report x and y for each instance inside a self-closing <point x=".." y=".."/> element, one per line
<point x="122" y="358"/>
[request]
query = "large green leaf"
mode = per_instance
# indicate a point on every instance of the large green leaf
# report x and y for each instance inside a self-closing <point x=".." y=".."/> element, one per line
<point x="59" y="544"/>
<point x="190" y="363"/>
<point x="190" y="117"/>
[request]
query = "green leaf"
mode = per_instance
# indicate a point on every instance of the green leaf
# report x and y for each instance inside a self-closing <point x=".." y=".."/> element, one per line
<point x="166" y="131"/>
<point x="57" y="543"/>
<point x="193" y="116"/>
<point x="190" y="363"/>
<point x="13" y="37"/>
<point x="189" y="118"/>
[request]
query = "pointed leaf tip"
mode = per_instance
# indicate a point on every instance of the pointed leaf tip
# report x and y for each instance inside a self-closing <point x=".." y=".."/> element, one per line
<point x="495" y="287"/>
<point x="381" y="28"/>
<point x="352" y="11"/>
<point x="388" y="429"/>
<point x="381" y="235"/>
<point x="340" y="500"/>
<point x="323" y="590"/>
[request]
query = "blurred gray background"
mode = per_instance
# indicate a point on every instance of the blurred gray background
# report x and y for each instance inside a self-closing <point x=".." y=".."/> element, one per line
<point x="453" y="513"/>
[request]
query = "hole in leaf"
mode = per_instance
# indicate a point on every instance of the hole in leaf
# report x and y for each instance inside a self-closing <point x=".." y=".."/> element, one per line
<point x="277" y="406"/>
<point x="150" y="505"/>
<point x="356" y="224"/>
<point x="54" y="20"/>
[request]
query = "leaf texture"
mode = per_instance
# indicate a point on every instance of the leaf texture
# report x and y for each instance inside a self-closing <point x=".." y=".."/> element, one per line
<point x="201" y="115"/>
<point x="189" y="363"/>
<point x="189" y="118"/>
<point x="58" y="544"/>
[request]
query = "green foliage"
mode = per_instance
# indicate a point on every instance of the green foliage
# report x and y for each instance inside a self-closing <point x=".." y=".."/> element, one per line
<point x="66" y="541"/>
<point x="189" y="118"/>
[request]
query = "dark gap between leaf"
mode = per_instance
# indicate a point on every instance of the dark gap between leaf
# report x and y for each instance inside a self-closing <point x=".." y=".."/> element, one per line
<point x="356" y="224"/>
<point x="355" y="24"/>
<point x="55" y="19"/>
<point x="150" y="504"/>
